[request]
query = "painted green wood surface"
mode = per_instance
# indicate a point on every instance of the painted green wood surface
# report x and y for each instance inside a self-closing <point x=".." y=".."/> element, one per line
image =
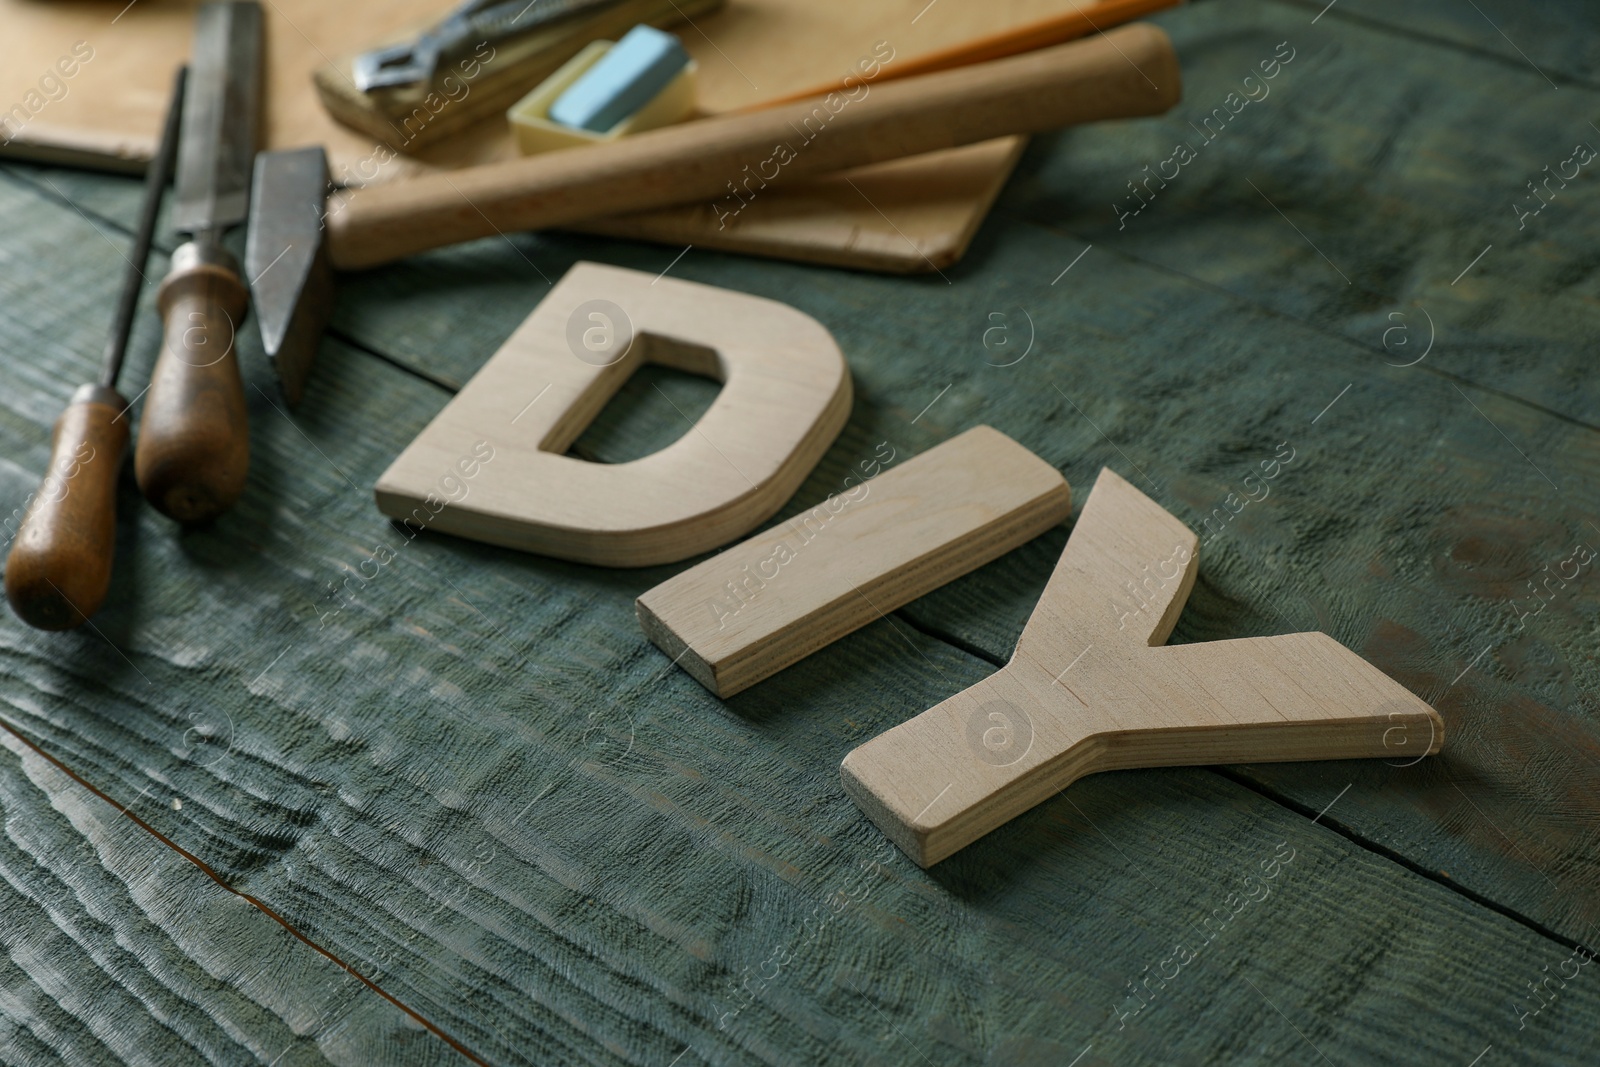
<point x="473" y="781"/>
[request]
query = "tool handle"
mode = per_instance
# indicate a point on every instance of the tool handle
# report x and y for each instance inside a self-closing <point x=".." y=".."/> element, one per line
<point x="194" y="435"/>
<point x="727" y="161"/>
<point x="1053" y="29"/>
<point x="60" y="564"/>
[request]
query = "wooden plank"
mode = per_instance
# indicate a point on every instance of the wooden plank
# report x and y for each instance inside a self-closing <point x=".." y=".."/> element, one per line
<point x="1556" y="38"/>
<point x="415" y="313"/>
<point x="906" y="216"/>
<point x="1357" y="196"/>
<point x="473" y="762"/>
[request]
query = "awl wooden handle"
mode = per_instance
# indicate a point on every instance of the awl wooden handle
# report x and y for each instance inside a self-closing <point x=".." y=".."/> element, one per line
<point x="194" y="435"/>
<point x="1124" y="73"/>
<point x="60" y="564"/>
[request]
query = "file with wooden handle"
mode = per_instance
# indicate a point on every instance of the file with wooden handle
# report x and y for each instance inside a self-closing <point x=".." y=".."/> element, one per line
<point x="194" y="447"/>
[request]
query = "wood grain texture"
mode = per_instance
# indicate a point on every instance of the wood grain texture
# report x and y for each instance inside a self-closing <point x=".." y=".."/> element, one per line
<point x="501" y="441"/>
<point x="1556" y="39"/>
<point x="59" y="568"/>
<point x="705" y="888"/>
<point x="1025" y="733"/>
<point x="1441" y="149"/>
<point x="907" y="216"/>
<point x="193" y="451"/>
<point x="119" y="950"/>
<point x="758" y="607"/>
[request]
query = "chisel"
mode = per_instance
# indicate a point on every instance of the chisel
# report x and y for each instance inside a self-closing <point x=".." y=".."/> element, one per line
<point x="60" y="564"/>
<point x="194" y="443"/>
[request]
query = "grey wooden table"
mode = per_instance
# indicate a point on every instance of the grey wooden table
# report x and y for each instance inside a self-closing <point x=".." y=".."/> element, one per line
<point x="461" y="808"/>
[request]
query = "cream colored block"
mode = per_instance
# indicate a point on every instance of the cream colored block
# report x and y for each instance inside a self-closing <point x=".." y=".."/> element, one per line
<point x="535" y="132"/>
<point x="754" y="609"/>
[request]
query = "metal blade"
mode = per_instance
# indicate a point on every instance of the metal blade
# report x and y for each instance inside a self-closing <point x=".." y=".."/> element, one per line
<point x="287" y="260"/>
<point x="220" y="116"/>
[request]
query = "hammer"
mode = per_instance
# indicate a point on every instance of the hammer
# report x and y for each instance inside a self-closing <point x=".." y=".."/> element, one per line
<point x="297" y="233"/>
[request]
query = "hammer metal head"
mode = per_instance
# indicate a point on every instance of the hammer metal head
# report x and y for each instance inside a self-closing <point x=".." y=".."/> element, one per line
<point x="287" y="261"/>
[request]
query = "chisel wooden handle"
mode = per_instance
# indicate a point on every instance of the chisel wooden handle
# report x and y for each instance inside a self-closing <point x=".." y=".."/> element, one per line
<point x="194" y="435"/>
<point x="728" y="160"/>
<point x="60" y="564"/>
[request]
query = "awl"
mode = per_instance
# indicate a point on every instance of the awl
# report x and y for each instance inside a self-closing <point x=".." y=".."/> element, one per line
<point x="59" y="568"/>
<point x="194" y="444"/>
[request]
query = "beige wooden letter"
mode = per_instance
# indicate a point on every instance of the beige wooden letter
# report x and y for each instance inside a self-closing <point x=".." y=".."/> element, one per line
<point x="1087" y="690"/>
<point x="748" y="612"/>
<point x="786" y="395"/>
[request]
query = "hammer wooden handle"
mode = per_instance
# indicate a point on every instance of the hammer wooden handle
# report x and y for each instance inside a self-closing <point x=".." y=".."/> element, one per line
<point x="1124" y="73"/>
<point x="194" y="441"/>
<point x="60" y="564"/>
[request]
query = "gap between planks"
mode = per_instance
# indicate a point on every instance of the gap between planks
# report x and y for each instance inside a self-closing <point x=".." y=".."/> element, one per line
<point x="1290" y="804"/>
<point x="122" y="811"/>
<point x="1314" y="327"/>
<point x="1385" y="852"/>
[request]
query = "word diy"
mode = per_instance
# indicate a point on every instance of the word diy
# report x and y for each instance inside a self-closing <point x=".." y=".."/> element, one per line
<point x="805" y="528"/>
<point x="1142" y="996"/>
<point x="1233" y="505"/>
<point x="452" y="484"/>
<point x="1184" y="153"/>
<point x="1581" y="157"/>
<point x="784" y="152"/>
<point x="52" y="87"/>
<point x="1580" y="958"/>
<point x="1560" y="577"/>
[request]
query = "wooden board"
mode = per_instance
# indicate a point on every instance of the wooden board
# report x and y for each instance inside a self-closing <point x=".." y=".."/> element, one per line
<point x="473" y="779"/>
<point x="109" y="112"/>
<point x="766" y="603"/>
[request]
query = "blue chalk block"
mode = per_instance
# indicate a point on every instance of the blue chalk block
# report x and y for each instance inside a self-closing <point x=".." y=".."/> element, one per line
<point x="625" y="79"/>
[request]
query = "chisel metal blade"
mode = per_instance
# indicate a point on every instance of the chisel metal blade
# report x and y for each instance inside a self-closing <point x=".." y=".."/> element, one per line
<point x="291" y="284"/>
<point x="220" y="117"/>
